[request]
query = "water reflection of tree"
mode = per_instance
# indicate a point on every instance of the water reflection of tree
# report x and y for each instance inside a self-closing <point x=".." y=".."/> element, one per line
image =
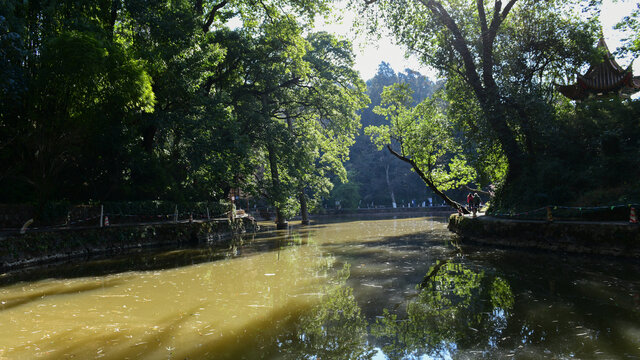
<point x="457" y="308"/>
<point x="334" y="329"/>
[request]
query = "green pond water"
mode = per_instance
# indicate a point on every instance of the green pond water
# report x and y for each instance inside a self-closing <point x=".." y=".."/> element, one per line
<point x="352" y="288"/>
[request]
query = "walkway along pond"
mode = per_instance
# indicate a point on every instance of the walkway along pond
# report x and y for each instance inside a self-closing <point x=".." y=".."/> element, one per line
<point x="359" y="288"/>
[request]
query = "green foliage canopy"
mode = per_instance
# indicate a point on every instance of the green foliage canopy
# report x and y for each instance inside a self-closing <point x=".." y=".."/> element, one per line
<point x="505" y="56"/>
<point x="423" y="136"/>
<point x="129" y="99"/>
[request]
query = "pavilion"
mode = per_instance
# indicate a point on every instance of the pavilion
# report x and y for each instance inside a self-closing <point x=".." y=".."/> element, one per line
<point x="603" y="79"/>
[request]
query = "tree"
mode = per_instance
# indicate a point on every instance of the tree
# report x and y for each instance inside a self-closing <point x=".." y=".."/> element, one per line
<point x="631" y="24"/>
<point x="422" y="138"/>
<point x="325" y="114"/>
<point x="296" y="100"/>
<point x="503" y="54"/>
<point x="372" y="168"/>
<point x="74" y="92"/>
<point x="116" y="99"/>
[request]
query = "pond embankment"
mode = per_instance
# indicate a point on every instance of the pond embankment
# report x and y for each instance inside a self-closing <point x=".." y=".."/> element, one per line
<point x="38" y="247"/>
<point x="419" y="211"/>
<point x="604" y="238"/>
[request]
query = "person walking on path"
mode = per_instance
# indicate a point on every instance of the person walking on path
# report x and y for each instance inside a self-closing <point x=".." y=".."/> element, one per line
<point x="475" y="204"/>
<point x="469" y="201"/>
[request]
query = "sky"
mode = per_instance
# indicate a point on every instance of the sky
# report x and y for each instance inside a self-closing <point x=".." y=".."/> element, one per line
<point x="369" y="53"/>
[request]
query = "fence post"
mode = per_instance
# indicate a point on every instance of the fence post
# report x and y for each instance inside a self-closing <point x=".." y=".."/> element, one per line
<point x="175" y="215"/>
<point x="101" y="215"/>
<point x="208" y="218"/>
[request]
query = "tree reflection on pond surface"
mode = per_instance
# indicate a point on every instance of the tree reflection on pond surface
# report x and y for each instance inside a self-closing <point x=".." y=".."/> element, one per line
<point x="457" y="308"/>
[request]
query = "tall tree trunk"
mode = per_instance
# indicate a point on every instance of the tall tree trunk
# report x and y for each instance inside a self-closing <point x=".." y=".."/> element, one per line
<point x="393" y="198"/>
<point x="281" y="222"/>
<point x="516" y="158"/>
<point x="113" y="17"/>
<point x="483" y="83"/>
<point x="304" y="211"/>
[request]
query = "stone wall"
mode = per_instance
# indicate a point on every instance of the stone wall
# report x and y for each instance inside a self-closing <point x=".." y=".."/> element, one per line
<point x="46" y="246"/>
<point x="606" y="238"/>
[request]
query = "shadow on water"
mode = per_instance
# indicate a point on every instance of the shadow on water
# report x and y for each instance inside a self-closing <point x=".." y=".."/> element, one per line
<point x="479" y="302"/>
<point x="55" y="290"/>
<point x="147" y="344"/>
<point x="498" y="304"/>
<point x="159" y="258"/>
<point x="457" y="308"/>
<point x="151" y="259"/>
<point x="333" y="328"/>
<point x="566" y="300"/>
<point x="386" y="269"/>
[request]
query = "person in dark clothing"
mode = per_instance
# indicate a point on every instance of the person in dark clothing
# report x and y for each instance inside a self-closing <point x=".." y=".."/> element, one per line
<point x="476" y="201"/>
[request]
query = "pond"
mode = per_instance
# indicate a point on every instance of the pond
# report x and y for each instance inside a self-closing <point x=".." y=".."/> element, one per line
<point x="352" y="288"/>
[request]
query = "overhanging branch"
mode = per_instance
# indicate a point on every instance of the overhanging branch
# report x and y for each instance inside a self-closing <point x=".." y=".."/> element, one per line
<point x="428" y="181"/>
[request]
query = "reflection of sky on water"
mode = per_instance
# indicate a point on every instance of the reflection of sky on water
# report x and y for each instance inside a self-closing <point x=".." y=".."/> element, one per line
<point x="500" y="319"/>
<point x="447" y="354"/>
